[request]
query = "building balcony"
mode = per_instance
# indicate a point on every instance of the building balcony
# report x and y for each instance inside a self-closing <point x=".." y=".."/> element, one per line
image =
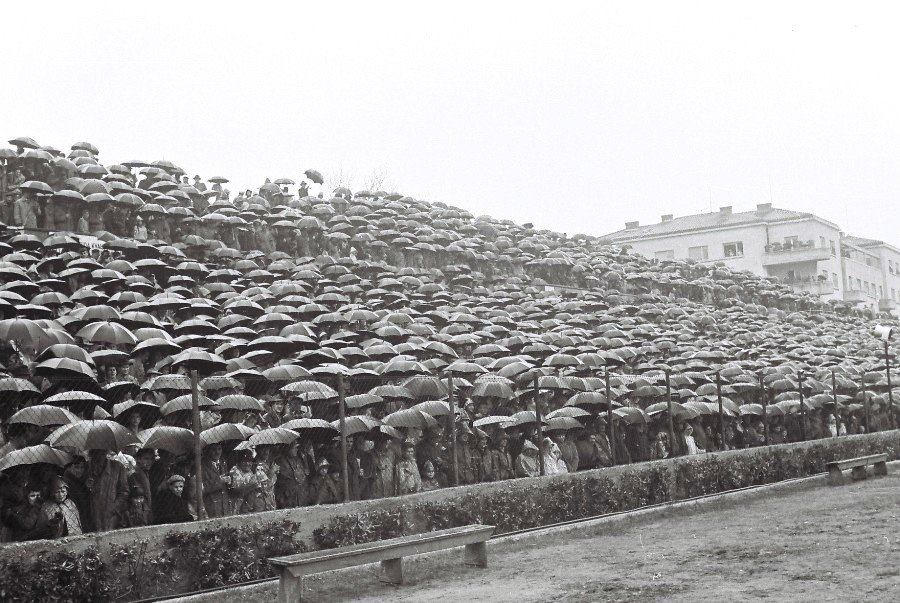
<point x="813" y="286"/>
<point x="798" y="253"/>
<point x="855" y="296"/>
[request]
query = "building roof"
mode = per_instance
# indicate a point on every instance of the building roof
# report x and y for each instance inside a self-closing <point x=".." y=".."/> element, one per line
<point x="862" y="241"/>
<point x="711" y="220"/>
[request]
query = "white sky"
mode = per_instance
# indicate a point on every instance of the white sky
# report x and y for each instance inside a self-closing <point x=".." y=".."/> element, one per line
<point x="574" y="116"/>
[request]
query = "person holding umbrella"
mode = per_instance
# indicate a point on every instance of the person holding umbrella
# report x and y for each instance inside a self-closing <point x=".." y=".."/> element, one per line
<point x="384" y="478"/>
<point x="498" y="464"/>
<point x="215" y="478"/>
<point x="107" y="481"/>
<point x="324" y="485"/>
<point x="292" y="483"/>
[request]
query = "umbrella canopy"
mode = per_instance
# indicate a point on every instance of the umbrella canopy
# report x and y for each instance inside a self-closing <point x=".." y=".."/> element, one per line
<point x="177" y="440"/>
<point x="93" y="435"/>
<point x="226" y="432"/>
<point x="34" y="455"/>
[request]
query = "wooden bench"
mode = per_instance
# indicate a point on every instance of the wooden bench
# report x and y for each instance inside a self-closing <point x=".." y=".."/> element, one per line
<point x="389" y="552"/>
<point x="858" y="467"/>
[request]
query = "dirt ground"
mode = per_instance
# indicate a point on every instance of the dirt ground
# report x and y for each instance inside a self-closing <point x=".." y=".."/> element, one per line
<point x="825" y="544"/>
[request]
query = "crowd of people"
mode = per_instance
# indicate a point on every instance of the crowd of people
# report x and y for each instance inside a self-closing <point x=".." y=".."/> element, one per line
<point x="462" y="349"/>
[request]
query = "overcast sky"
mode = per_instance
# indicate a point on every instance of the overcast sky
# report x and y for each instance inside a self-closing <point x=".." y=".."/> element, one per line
<point x="574" y="116"/>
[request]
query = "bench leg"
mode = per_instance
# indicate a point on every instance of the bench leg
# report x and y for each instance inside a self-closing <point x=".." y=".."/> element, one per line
<point x="393" y="571"/>
<point x="858" y="473"/>
<point x="476" y="554"/>
<point x="835" y="477"/>
<point x="289" y="589"/>
<point x="879" y="468"/>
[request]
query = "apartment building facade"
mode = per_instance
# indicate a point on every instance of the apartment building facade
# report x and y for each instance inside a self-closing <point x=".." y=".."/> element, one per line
<point x="807" y="252"/>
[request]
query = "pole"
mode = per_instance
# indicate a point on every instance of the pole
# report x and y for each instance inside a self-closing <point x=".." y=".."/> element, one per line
<point x="609" y="420"/>
<point x="721" y="410"/>
<point x="765" y="407"/>
<point x="862" y="385"/>
<point x="452" y="405"/>
<point x="802" y="407"/>
<point x="342" y="417"/>
<point x="540" y="428"/>
<point x="887" y="368"/>
<point x="669" y="407"/>
<point x="198" y="447"/>
<point x="837" y="415"/>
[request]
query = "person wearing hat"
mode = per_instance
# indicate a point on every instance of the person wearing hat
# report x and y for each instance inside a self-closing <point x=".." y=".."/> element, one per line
<point x="25" y="210"/>
<point x="384" y="477"/>
<point x="136" y="512"/>
<point x="324" y="485"/>
<point x="527" y="463"/>
<point x="169" y="506"/>
<point x="408" y="478"/>
<point x="428" y="480"/>
<point x="198" y="183"/>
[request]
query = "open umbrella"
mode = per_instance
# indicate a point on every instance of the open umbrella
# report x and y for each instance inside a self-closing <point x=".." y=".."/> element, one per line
<point x="177" y="440"/>
<point x="43" y="415"/>
<point x="272" y="437"/>
<point x="225" y="432"/>
<point x="410" y="418"/>
<point x="93" y="434"/>
<point x="33" y="455"/>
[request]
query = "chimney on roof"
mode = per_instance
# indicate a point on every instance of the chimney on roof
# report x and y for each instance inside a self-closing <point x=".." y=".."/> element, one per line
<point x="725" y="211"/>
<point x="666" y="218"/>
<point x="763" y="208"/>
<point x="631" y="225"/>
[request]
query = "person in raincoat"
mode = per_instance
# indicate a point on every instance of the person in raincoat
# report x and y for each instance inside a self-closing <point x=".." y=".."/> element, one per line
<point x="25" y="211"/>
<point x="169" y="506"/>
<point x="568" y="449"/>
<point x="25" y="520"/>
<point x="527" y="463"/>
<point x="292" y="483"/>
<point x="215" y="481"/>
<point x="61" y="512"/>
<point x="107" y="481"/>
<point x="361" y="468"/>
<point x="553" y="463"/>
<point x="498" y="463"/>
<point x="384" y="477"/>
<point x="408" y="478"/>
<point x="325" y="487"/>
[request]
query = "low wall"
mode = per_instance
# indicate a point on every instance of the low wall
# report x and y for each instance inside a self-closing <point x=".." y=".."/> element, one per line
<point x="141" y="562"/>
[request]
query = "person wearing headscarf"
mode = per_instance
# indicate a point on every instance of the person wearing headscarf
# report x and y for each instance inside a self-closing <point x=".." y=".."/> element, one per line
<point x="553" y="463"/>
<point x="169" y="505"/>
<point x="429" y="482"/>
<point x="568" y="450"/>
<point x="527" y="463"/>
<point x="408" y="478"/>
<point x="690" y="445"/>
<point x="61" y="512"/>
<point x="244" y="486"/>
<point x="136" y="513"/>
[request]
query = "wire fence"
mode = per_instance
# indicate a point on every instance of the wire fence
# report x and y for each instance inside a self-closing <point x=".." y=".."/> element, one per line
<point x="84" y="457"/>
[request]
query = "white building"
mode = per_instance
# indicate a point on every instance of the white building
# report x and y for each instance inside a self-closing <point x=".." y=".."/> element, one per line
<point x="801" y="249"/>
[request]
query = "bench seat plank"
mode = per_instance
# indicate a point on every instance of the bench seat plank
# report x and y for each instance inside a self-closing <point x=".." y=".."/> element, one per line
<point x="861" y="461"/>
<point x="313" y="562"/>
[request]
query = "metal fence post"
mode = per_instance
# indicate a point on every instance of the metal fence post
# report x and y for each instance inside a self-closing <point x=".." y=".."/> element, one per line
<point x="765" y="407"/>
<point x="802" y="407"/>
<point x="669" y="408"/>
<point x="540" y="428"/>
<point x="609" y="420"/>
<point x="721" y="410"/>
<point x="452" y="404"/>
<point x="198" y="447"/>
<point x="342" y="417"/>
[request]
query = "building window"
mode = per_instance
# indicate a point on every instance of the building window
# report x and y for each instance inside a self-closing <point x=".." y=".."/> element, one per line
<point x="833" y="248"/>
<point x="834" y="279"/>
<point x="698" y="253"/>
<point x="880" y="292"/>
<point x="734" y="250"/>
<point x="822" y="242"/>
<point x="859" y="284"/>
<point x="665" y="254"/>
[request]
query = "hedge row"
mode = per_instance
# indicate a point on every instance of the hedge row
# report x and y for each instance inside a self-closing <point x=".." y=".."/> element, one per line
<point x="203" y="558"/>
